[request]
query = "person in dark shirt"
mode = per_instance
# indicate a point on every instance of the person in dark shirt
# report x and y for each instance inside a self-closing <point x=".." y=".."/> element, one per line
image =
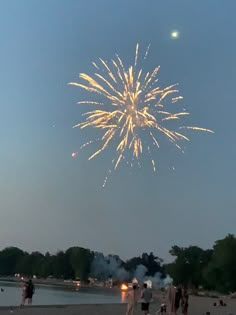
<point x="30" y="291"/>
<point x="185" y="302"/>
<point x="178" y="298"/>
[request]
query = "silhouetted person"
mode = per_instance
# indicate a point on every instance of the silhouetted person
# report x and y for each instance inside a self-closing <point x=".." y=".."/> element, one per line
<point x="30" y="291"/>
<point x="184" y="302"/>
<point x="178" y="298"/>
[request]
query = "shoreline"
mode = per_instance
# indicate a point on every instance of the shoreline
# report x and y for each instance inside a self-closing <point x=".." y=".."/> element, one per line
<point x="53" y="282"/>
<point x="60" y="284"/>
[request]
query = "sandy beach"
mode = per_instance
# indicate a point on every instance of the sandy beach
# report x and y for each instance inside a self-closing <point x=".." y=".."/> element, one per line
<point x="198" y="306"/>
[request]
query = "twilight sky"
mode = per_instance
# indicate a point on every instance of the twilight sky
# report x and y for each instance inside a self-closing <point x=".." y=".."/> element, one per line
<point x="49" y="200"/>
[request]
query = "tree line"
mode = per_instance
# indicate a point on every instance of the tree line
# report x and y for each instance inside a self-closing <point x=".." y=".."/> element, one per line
<point x="74" y="263"/>
<point x="212" y="269"/>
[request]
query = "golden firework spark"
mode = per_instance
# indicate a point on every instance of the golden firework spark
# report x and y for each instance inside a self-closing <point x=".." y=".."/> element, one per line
<point x="130" y="104"/>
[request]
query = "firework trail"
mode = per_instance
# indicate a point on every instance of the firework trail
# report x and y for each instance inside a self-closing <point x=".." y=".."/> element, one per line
<point x="129" y="105"/>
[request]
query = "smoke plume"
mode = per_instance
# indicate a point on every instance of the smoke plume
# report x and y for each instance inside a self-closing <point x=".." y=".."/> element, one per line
<point x="104" y="267"/>
<point x="111" y="266"/>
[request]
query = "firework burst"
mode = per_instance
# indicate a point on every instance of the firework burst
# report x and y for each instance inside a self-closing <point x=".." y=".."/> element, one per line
<point x="129" y="105"/>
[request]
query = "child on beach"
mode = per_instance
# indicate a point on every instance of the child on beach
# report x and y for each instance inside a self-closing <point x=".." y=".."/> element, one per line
<point x="162" y="310"/>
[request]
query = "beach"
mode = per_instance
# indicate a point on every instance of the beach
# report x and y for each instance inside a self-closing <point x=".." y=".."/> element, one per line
<point x="198" y="306"/>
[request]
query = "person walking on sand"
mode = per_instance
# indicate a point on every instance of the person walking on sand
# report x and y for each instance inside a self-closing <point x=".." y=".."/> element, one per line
<point x="132" y="299"/>
<point x="30" y="292"/>
<point x="146" y="297"/>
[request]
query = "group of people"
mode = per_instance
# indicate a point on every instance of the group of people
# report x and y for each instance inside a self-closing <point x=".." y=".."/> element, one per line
<point x="27" y="292"/>
<point x="134" y="295"/>
<point x="220" y="303"/>
<point x="177" y="299"/>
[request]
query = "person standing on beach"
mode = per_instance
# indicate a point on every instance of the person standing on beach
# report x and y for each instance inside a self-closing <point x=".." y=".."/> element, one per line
<point x="24" y="293"/>
<point x="30" y="292"/>
<point x="146" y="296"/>
<point x="171" y="299"/>
<point x="132" y="299"/>
<point x="178" y="298"/>
<point x="184" y="303"/>
<point x="174" y="299"/>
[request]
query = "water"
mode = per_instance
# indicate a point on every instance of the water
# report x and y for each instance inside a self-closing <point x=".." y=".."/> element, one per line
<point x="48" y="295"/>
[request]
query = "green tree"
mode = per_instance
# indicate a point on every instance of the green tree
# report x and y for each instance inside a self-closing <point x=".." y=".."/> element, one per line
<point x="220" y="273"/>
<point x="150" y="261"/>
<point x="61" y="266"/>
<point x="31" y="264"/>
<point x="47" y="266"/>
<point x="8" y="260"/>
<point x="189" y="264"/>
<point x="80" y="260"/>
<point x="23" y="265"/>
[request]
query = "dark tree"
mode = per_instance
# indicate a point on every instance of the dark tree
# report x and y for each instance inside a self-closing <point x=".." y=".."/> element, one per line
<point x="189" y="264"/>
<point x="221" y="271"/>
<point x="8" y="260"/>
<point x="80" y="260"/>
<point x="150" y="261"/>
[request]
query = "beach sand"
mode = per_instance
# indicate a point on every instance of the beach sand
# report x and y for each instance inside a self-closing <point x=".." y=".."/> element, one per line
<point x="198" y="306"/>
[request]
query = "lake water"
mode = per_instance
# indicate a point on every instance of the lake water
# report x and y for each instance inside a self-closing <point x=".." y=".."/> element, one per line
<point x="47" y="295"/>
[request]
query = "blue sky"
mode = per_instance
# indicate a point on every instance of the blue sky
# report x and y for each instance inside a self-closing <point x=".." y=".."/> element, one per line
<point x="50" y="201"/>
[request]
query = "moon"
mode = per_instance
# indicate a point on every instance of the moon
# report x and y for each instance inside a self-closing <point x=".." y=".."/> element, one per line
<point x="175" y="34"/>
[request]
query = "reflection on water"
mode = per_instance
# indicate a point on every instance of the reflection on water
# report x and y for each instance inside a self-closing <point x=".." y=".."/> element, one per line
<point x="45" y="295"/>
<point x="123" y="294"/>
